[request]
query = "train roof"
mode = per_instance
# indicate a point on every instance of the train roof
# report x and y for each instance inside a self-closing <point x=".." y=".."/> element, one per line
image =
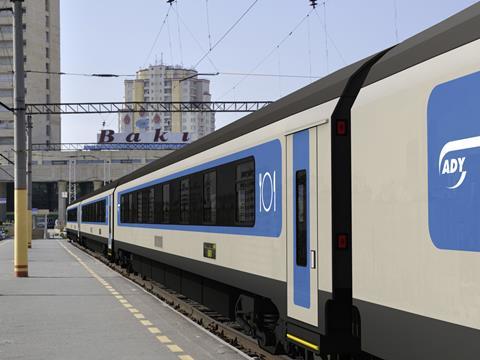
<point x="453" y="32"/>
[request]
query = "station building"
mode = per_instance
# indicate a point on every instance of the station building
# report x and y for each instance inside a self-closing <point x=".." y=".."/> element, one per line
<point x="56" y="174"/>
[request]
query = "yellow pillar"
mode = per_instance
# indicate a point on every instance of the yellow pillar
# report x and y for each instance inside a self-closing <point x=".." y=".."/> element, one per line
<point x="29" y="228"/>
<point x="21" y="242"/>
<point x="176" y="97"/>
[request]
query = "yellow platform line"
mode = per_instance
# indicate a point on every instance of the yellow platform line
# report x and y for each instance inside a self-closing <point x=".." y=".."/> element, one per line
<point x="174" y="348"/>
<point x="164" y="339"/>
<point x="152" y="329"/>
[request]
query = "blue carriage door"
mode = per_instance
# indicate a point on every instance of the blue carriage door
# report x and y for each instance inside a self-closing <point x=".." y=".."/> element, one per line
<point x="302" y="279"/>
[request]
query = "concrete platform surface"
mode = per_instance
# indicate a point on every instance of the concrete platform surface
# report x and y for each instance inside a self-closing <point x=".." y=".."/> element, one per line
<point x="73" y="307"/>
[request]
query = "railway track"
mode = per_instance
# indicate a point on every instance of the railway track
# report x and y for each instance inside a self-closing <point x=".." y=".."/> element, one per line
<point x="215" y="323"/>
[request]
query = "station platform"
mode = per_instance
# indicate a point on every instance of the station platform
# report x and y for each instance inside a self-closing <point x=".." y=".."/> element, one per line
<point x="74" y="307"/>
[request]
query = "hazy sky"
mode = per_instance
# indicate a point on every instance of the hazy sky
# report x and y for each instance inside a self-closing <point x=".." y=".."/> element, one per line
<point x="116" y="36"/>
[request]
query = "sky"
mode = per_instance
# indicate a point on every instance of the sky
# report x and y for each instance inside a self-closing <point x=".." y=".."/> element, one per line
<point x="283" y="38"/>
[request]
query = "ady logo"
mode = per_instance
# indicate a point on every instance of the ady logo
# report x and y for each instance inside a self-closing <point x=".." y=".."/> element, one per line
<point x="453" y="140"/>
<point x="456" y="165"/>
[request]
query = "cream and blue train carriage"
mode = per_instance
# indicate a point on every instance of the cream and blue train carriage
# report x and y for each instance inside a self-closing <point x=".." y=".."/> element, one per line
<point x="73" y="222"/>
<point x="90" y="221"/>
<point x="340" y="220"/>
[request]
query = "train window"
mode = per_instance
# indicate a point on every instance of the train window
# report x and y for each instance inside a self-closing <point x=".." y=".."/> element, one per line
<point x="151" y="205"/>
<point x="185" y="201"/>
<point x="138" y="196"/>
<point x="157" y="207"/>
<point x="166" y="204"/>
<point x="72" y="215"/>
<point x="95" y="212"/>
<point x="226" y="195"/>
<point x="146" y="206"/>
<point x="210" y="197"/>
<point x="245" y="193"/>
<point x="130" y="208"/>
<point x="301" y="217"/>
<point x="220" y="196"/>
<point x="123" y="207"/>
<point x="175" y="201"/>
<point x="196" y="194"/>
<point x="126" y="211"/>
<point x="101" y="211"/>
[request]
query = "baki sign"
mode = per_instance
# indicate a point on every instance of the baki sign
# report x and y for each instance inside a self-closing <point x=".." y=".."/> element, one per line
<point x="145" y="137"/>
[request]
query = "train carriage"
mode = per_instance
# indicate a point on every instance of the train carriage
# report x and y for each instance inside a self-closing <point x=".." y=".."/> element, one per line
<point x="339" y="220"/>
<point x="91" y="223"/>
<point x="415" y="227"/>
<point x="73" y="222"/>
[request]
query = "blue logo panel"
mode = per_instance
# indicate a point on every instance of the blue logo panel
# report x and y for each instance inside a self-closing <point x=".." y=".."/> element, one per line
<point x="453" y="126"/>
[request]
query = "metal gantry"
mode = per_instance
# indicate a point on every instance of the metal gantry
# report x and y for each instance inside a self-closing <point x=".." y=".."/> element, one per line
<point x="106" y="146"/>
<point x="146" y="107"/>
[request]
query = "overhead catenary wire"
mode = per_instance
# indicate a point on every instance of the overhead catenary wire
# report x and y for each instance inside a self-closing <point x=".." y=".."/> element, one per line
<point x="79" y="74"/>
<point x="309" y="46"/>
<point x="326" y="36"/>
<point x="279" y="73"/>
<point x="157" y="36"/>
<point x="197" y="41"/>
<point x="269" y="54"/>
<point x="208" y="26"/>
<point x="270" y="75"/>
<point x="6" y="172"/>
<point x="331" y="39"/>
<point x="170" y="41"/>
<point x="179" y="35"/>
<point x="226" y="33"/>
<point x="395" y="20"/>
<point x="230" y="73"/>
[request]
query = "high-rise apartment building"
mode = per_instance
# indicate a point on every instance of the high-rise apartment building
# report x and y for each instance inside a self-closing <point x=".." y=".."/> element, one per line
<point x="41" y="33"/>
<point x="165" y="84"/>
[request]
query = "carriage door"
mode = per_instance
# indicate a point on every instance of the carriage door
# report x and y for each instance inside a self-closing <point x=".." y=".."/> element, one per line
<point x="302" y="226"/>
<point x="79" y="221"/>
<point x="110" y="223"/>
